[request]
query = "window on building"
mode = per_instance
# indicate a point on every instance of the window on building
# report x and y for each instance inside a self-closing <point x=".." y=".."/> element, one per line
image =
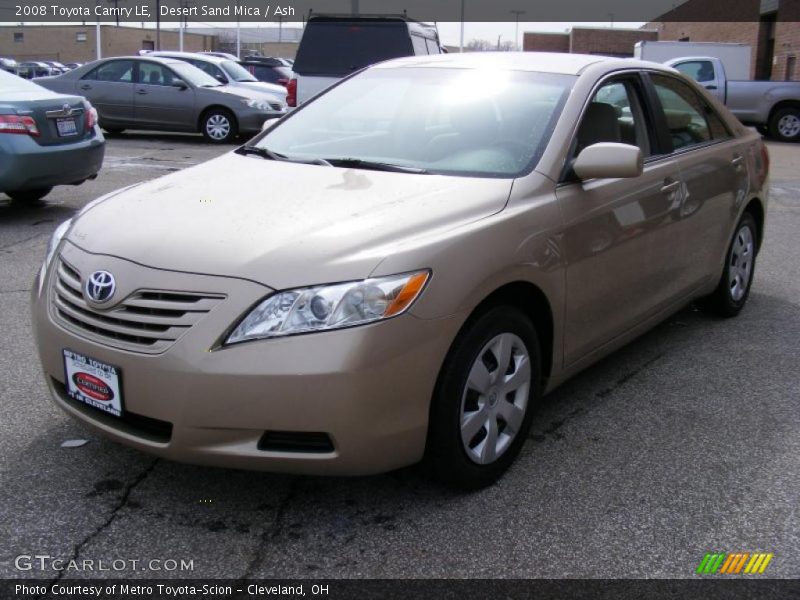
<point x="80" y="36"/>
<point x="148" y="45"/>
<point x="684" y="39"/>
<point x="19" y="37"/>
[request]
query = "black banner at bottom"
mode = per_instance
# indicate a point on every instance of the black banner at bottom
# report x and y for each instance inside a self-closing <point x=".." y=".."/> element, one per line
<point x="439" y="589"/>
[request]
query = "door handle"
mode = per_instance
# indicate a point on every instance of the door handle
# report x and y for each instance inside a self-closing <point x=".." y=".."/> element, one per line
<point x="669" y="187"/>
<point x="737" y="160"/>
<point x="711" y="87"/>
<point x="141" y="92"/>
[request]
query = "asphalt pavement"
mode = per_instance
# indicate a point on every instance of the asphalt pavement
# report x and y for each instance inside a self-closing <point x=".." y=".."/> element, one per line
<point x="684" y="442"/>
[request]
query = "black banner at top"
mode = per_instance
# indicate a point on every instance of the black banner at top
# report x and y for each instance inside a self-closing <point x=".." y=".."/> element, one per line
<point x="273" y="11"/>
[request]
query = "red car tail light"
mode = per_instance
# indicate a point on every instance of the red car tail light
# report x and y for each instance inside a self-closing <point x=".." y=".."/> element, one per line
<point x="291" y="93"/>
<point x="18" y="124"/>
<point x="91" y="115"/>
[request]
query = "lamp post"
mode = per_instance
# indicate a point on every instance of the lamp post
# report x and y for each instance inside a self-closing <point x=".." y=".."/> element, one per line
<point x="516" y="14"/>
<point x="461" y="41"/>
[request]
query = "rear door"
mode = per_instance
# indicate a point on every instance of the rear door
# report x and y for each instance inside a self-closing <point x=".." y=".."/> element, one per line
<point x="109" y="87"/>
<point x="618" y="231"/>
<point x="713" y="169"/>
<point x="158" y="103"/>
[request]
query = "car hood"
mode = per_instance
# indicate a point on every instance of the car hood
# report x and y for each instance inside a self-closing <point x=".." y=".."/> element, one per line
<point x="264" y="87"/>
<point x="245" y="92"/>
<point x="281" y="224"/>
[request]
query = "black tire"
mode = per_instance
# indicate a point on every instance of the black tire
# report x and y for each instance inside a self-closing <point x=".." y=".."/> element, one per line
<point x="30" y="196"/>
<point x="112" y="130"/>
<point x="446" y="455"/>
<point x="762" y="129"/>
<point x="725" y="301"/>
<point x="226" y="128"/>
<point x="784" y="124"/>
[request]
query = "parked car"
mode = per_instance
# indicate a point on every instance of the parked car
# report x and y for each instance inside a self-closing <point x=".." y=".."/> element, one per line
<point x="57" y="66"/>
<point x="772" y="106"/>
<point x="46" y="139"/>
<point x="9" y="65"/>
<point x="31" y="69"/>
<point x="228" y="72"/>
<point x="73" y="65"/>
<point x="334" y="47"/>
<point x="442" y="240"/>
<point x="166" y="95"/>
<point x="269" y="70"/>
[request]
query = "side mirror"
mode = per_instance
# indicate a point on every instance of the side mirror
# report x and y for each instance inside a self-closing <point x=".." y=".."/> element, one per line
<point x="220" y="78"/>
<point x="608" y="159"/>
<point x="268" y="123"/>
<point x="179" y="83"/>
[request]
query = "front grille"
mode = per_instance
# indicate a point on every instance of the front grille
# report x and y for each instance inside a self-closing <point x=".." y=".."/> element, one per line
<point x="146" y="321"/>
<point x="148" y="428"/>
<point x="313" y="442"/>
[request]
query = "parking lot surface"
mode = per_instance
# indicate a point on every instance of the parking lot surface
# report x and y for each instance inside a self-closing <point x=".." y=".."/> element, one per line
<point x="682" y="443"/>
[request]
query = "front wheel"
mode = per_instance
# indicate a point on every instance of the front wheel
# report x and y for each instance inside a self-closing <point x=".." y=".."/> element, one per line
<point x="30" y="196"/>
<point x="219" y="126"/>
<point x="784" y="125"/>
<point x="734" y="286"/>
<point x="482" y="406"/>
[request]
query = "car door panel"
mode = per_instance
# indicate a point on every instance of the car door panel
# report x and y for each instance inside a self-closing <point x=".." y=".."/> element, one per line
<point x="159" y="104"/>
<point x="109" y="88"/>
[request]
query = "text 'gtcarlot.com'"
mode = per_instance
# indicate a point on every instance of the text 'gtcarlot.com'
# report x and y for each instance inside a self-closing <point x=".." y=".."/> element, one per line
<point x="45" y="562"/>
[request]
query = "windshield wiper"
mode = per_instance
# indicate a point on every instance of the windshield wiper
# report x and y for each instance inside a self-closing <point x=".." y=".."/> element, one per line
<point x="270" y="155"/>
<point x="372" y="165"/>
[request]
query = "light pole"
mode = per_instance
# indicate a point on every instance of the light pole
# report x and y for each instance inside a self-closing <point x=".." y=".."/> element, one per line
<point x="516" y="14"/>
<point x="238" y="35"/>
<point x="461" y="42"/>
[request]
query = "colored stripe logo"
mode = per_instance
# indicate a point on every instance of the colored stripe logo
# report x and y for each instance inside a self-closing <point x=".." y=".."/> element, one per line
<point x="734" y="563"/>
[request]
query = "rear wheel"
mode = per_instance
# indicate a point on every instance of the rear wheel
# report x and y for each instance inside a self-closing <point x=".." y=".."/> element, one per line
<point x="482" y="407"/>
<point x="113" y="130"/>
<point x="784" y="125"/>
<point x="219" y="126"/>
<point x="734" y="286"/>
<point x="30" y="196"/>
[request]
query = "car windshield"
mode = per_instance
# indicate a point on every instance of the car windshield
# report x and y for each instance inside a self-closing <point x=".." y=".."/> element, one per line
<point x="193" y="75"/>
<point x="236" y="71"/>
<point x="482" y="123"/>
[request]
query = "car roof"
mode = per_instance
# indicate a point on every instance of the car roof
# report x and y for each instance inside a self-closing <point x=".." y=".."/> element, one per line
<point x="542" y="62"/>
<point x="205" y="57"/>
<point x="159" y="59"/>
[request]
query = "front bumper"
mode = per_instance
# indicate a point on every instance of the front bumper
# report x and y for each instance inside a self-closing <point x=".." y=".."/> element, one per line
<point x="367" y="388"/>
<point x="24" y="164"/>
<point x="251" y="120"/>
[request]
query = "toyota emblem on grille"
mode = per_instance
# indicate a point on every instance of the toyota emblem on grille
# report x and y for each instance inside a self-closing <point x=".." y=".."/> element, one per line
<point x="100" y="286"/>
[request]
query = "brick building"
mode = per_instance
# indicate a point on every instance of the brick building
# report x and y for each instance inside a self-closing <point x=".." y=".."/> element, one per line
<point x="588" y="40"/>
<point x="770" y="27"/>
<point x="76" y="43"/>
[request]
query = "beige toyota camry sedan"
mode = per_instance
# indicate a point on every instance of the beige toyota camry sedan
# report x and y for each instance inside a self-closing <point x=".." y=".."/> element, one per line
<point x="399" y="270"/>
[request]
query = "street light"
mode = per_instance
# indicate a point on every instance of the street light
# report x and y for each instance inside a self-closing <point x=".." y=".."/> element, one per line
<point x="461" y="42"/>
<point x="516" y="14"/>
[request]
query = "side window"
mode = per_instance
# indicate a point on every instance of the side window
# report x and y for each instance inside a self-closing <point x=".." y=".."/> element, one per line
<point x="685" y="112"/>
<point x="699" y="70"/>
<point x="716" y="125"/>
<point x="419" y="45"/>
<point x="118" y="71"/>
<point x="266" y="74"/>
<point x="154" y="74"/>
<point x="614" y="115"/>
<point x="210" y="69"/>
<point x="433" y="48"/>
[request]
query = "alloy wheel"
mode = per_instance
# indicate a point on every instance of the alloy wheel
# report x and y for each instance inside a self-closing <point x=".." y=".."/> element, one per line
<point x="741" y="263"/>
<point x="789" y="126"/>
<point x="218" y="127"/>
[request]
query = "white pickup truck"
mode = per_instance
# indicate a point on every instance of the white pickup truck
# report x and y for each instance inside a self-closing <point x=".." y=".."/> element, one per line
<point x="772" y="106"/>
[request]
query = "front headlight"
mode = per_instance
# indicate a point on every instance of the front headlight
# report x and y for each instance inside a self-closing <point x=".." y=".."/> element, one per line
<point x="322" y="308"/>
<point x="58" y="234"/>
<point x="258" y="104"/>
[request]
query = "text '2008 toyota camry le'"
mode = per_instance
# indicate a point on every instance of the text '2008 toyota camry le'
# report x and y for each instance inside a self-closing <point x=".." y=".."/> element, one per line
<point x="398" y="270"/>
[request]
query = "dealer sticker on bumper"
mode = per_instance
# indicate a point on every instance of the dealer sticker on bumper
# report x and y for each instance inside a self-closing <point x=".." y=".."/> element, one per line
<point x="93" y="382"/>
